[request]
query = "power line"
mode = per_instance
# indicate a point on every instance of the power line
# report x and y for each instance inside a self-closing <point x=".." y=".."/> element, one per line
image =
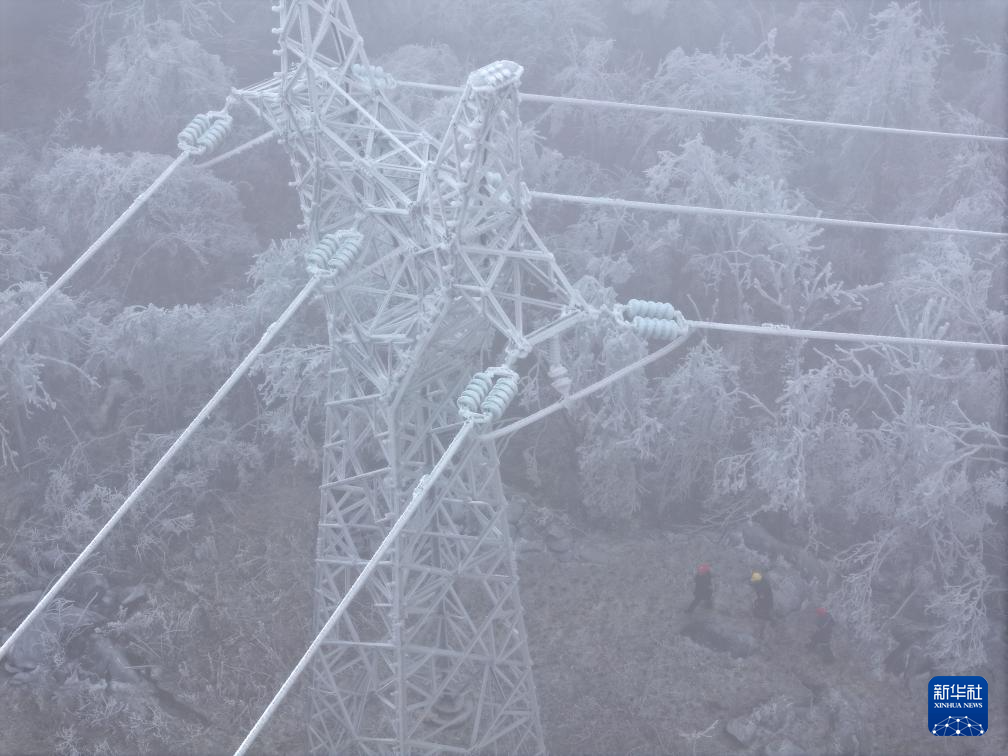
<point x="700" y="210"/>
<point x="668" y="110"/>
<point x="90" y="252"/>
<point x="862" y="338"/>
<point x="726" y="212"/>
<point x="586" y="391"/>
<point x="767" y="330"/>
<point x="226" y="387"/>
<point x="261" y="139"/>
<point x="418" y="495"/>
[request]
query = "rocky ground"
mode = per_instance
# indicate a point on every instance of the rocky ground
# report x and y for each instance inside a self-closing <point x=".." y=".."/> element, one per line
<point x="621" y="668"/>
<point x="179" y="654"/>
<point x="184" y="660"/>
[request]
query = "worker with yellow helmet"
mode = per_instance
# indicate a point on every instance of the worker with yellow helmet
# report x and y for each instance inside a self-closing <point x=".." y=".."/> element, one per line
<point x="763" y="603"/>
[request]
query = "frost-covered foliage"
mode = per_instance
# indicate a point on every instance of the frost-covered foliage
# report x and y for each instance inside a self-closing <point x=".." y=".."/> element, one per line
<point x="155" y="80"/>
<point x="190" y="231"/>
<point x="885" y="464"/>
<point x="616" y="432"/>
<point x="474" y="27"/>
<point x="27" y="255"/>
<point x="883" y="74"/>
<point x="295" y="373"/>
<point x="697" y="406"/>
<point x="591" y="71"/>
<point x="16" y="166"/>
<point x="40" y="365"/>
<point x="930" y="482"/>
<point x="103" y="20"/>
<point x="435" y="64"/>
<point x="749" y="83"/>
<point x="161" y="347"/>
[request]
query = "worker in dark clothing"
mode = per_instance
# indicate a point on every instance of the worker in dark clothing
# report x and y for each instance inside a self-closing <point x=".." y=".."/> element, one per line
<point x="763" y="603"/>
<point x="822" y="635"/>
<point x="703" y="588"/>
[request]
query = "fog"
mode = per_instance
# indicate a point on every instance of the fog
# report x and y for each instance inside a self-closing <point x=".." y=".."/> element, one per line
<point x="530" y="376"/>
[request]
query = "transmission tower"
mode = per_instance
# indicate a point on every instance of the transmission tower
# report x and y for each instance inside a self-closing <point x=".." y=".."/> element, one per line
<point x="441" y="271"/>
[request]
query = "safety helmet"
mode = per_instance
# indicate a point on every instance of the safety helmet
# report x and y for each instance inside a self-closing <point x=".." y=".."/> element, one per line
<point x="703" y="569"/>
<point x="756" y="577"/>
<point x="821" y="611"/>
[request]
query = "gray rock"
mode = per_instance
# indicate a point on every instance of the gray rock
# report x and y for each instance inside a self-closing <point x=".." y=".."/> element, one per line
<point x="515" y="510"/>
<point x="40" y="639"/>
<point x="743" y="729"/>
<point x="527" y="529"/>
<point x="762" y="725"/>
<point x="559" y="545"/>
<point x="524" y="546"/>
<point x="134" y="595"/>
<point x="759" y="539"/>
<point x="811" y="568"/>
<point x="721" y="634"/>
<point x="596" y="554"/>
<point x="23" y="678"/>
<point x="111" y="662"/>
<point x="783" y="747"/>
<point x="88" y="588"/>
<point x="14" y="608"/>
<point x="21" y="600"/>
<point x="557" y="530"/>
<point x="848" y="736"/>
<point x="28" y="652"/>
<point x="790" y="590"/>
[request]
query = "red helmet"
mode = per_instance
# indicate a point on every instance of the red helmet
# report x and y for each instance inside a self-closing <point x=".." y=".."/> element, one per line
<point x="821" y="611"/>
<point x="703" y="569"/>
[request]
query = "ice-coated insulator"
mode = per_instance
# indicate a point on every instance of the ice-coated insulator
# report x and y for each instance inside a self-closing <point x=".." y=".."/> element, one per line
<point x="648" y="309"/>
<point x="559" y="379"/>
<point x="500" y="396"/>
<point x="474" y="394"/>
<point x="495" y="76"/>
<point x="657" y="328"/>
<point x="196" y="126"/>
<point x="204" y="133"/>
<point x="373" y="77"/>
<point x="334" y="253"/>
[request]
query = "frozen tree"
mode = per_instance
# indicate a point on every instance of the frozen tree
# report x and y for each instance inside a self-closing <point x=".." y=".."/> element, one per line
<point x="189" y="234"/>
<point x="155" y="80"/>
<point x="886" y="74"/>
<point x="698" y="407"/>
<point x="749" y="83"/>
<point x="113" y="18"/>
<point x="615" y="431"/>
<point x="591" y="71"/>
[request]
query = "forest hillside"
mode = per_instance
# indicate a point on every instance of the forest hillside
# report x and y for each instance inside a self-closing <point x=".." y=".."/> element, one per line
<point x="869" y="480"/>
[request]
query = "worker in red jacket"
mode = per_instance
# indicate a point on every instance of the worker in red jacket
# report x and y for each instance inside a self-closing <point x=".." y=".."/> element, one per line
<point x="703" y="588"/>
<point x="822" y="635"/>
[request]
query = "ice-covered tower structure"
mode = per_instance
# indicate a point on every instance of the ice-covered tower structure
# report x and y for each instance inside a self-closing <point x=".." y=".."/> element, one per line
<point x="441" y="276"/>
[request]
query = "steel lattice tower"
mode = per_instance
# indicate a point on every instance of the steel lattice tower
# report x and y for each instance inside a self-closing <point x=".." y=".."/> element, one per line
<point x="448" y="272"/>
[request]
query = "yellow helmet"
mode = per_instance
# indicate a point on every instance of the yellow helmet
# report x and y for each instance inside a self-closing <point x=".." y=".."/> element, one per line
<point x="756" y="577"/>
